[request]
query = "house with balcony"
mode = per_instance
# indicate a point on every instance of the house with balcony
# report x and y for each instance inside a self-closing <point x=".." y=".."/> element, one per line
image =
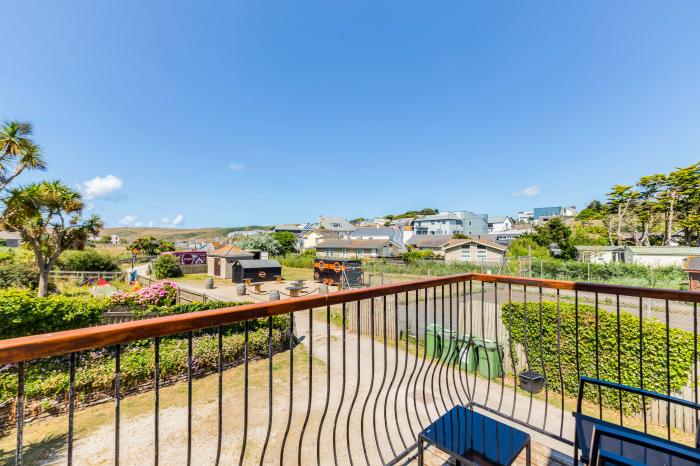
<point x="451" y="223"/>
<point x="499" y="223"/>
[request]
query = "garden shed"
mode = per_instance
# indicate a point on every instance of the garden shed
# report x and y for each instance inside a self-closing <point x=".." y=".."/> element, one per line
<point x="257" y="270"/>
<point x="220" y="262"/>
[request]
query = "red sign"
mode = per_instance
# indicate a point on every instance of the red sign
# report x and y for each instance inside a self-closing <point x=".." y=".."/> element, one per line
<point x="190" y="257"/>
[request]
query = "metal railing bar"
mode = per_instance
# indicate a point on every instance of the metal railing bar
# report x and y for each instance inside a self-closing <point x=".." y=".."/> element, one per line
<point x="342" y="390"/>
<point x="597" y="356"/>
<point x="381" y="387"/>
<point x="641" y="362"/>
<point x="371" y="385"/>
<point x="432" y="357"/>
<point x="189" y="397"/>
<point x="455" y="355"/>
<point x="483" y="334"/>
<point x="20" y="414"/>
<point x="525" y="338"/>
<point x="403" y="374"/>
<point x="619" y="356"/>
<point x="311" y="384"/>
<point x="544" y="368"/>
<point x="668" y="370"/>
<point x="156" y="401"/>
<point x="472" y="343"/>
<point x="117" y="399"/>
<point x="443" y="351"/>
<point x="291" y="386"/>
<point x="220" y="392"/>
<point x="71" y="407"/>
<point x="245" y="392"/>
<point x="328" y="384"/>
<point x="498" y="345"/>
<point x="422" y="364"/>
<point x="357" y="385"/>
<point x="695" y="360"/>
<point x="512" y="353"/>
<point x="561" y="375"/>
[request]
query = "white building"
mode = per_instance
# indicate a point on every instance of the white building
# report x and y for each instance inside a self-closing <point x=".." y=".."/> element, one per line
<point x="526" y="216"/>
<point x="600" y="254"/>
<point x="499" y="223"/>
<point x="390" y="233"/>
<point x="310" y="238"/>
<point x="335" y="224"/>
<point x="450" y="223"/>
<point x="114" y="239"/>
<point x="659" y="256"/>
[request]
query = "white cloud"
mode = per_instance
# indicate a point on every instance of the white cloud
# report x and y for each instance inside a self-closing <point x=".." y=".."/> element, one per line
<point x="100" y="187"/>
<point x="151" y="223"/>
<point x="174" y="222"/>
<point x="529" y="191"/>
<point x="128" y="220"/>
<point x="236" y="167"/>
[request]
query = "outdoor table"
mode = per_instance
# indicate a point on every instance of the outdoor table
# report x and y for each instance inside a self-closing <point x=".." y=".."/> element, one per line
<point x="247" y="281"/>
<point x="278" y="278"/>
<point x="294" y="290"/>
<point x="257" y="286"/>
<point x="472" y="438"/>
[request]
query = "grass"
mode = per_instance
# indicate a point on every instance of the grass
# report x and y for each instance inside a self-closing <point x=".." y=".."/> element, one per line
<point x="45" y="438"/>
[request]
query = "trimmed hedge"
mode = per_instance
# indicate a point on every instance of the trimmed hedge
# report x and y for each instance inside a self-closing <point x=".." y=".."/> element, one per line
<point x="23" y="313"/>
<point x="653" y="355"/>
<point x="49" y="378"/>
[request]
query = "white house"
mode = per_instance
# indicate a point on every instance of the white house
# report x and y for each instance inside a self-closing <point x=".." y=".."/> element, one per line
<point x="114" y="239"/>
<point x="357" y="248"/>
<point x="432" y="243"/>
<point x="310" y="238"/>
<point x="659" y="255"/>
<point x="449" y="223"/>
<point x="335" y="224"/>
<point x="220" y="262"/>
<point x="391" y="233"/>
<point x="600" y="254"/>
<point x="12" y="239"/>
<point x="499" y="223"/>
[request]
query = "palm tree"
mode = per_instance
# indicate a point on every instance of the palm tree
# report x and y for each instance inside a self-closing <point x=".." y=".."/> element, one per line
<point x="48" y="215"/>
<point x="17" y="152"/>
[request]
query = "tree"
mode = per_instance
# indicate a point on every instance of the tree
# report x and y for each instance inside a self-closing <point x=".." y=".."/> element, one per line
<point x="555" y="236"/>
<point x="152" y="246"/>
<point x="287" y="241"/>
<point x="262" y="243"/>
<point x="17" y="152"/>
<point x="620" y="200"/>
<point x="48" y="216"/>
<point x="166" y="266"/>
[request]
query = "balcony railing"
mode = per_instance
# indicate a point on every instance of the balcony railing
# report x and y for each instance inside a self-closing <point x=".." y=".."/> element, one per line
<point x="357" y="374"/>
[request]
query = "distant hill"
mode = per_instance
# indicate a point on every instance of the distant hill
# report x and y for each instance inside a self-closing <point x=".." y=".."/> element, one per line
<point x="171" y="234"/>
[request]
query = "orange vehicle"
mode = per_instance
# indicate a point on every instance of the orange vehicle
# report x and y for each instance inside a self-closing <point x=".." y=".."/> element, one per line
<point x="334" y="271"/>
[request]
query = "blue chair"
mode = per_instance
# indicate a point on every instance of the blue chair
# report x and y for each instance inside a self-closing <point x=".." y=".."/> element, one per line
<point x="613" y="446"/>
<point x="585" y="425"/>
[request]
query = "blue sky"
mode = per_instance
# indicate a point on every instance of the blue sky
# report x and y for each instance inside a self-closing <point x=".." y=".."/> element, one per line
<point x="232" y="113"/>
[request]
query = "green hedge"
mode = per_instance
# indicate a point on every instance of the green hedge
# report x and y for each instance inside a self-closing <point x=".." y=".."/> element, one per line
<point x="614" y="272"/>
<point x="653" y="356"/>
<point x="23" y="313"/>
<point x="49" y="378"/>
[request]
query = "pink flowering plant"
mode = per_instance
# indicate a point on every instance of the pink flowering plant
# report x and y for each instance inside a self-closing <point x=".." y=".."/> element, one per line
<point x="159" y="294"/>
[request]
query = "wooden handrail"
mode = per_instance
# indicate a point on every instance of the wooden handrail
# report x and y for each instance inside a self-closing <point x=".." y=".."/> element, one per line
<point x="53" y="344"/>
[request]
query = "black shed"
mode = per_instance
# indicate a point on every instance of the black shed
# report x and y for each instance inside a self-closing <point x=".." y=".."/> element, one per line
<point x="257" y="270"/>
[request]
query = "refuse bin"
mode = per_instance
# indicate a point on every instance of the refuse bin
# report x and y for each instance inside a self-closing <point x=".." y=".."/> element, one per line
<point x="433" y="345"/>
<point x="467" y="353"/>
<point x="441" y="343"/>
<point x="490" y="357"/>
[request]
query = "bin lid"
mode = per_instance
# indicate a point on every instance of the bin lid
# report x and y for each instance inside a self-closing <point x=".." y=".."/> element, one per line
<point x="531" y="375"/>
<point x="491" y="345"/>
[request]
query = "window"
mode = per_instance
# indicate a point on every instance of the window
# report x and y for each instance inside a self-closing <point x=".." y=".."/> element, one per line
<point x="329" y="253"/>
<point x="480" y="251"/>
<point x="466" y="253"/>
<point x="345" y="252"/>
<point x="360" y="252"/>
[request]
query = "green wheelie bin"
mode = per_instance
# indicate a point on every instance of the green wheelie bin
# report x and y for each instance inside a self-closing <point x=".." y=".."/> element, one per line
<point x="467" y="353"/>
<point x="490" y="356"/>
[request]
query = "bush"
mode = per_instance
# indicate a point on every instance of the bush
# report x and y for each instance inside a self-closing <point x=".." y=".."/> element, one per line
<point x="159" y="294"/>
<point x="87" y="261"/>
<point x="14" y="274"/>
<point x="166" y="266"/>
<point x="653" y="356"/>
<point x="411" y="257"/>
<point x="23" y="313"/>
<point x="303" y="260"/>
<point x="47" y="381"/>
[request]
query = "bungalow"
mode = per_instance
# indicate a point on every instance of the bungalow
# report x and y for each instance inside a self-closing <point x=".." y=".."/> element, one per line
<point x="600" y="254"/>
<point x="310" y="238"/>
<point x="290" y="227"/>
<point x="335" y="224"/>
<point x="474" y="250"/>
<point x="357" y="248"/>
<point x="499" y="223"/>
<point x="429" y="243"/>
<point x="391" y="233"/>
<point x="220" y="262"/>
<point x="659" y="255"/>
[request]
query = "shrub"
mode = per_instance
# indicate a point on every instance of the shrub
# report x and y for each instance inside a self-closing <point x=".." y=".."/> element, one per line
<point x="653" y="355"/>
<point x="159" y="294"/>
<point x="23" y="313"/>
<point x="303" y="260"/>
<point x="87" y="261"/>
<point x="411" y="257"/>
<point x="166" y="266"/>
<point x="15" y="274"/>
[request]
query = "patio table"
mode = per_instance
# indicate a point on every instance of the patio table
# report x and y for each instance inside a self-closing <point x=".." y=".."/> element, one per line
<point x="473" y="438"/>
